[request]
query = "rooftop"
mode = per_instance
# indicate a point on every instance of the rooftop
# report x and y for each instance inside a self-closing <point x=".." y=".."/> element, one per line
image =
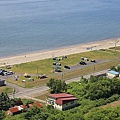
<point x="113" y="72"/>
<point x="14" y="109"/>
<point x="60" y="95"/>
<point x="35" y="103"/>
<point x="61" y="101"/>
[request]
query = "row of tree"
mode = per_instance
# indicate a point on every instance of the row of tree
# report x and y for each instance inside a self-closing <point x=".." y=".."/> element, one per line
<point x="92" y="93"/>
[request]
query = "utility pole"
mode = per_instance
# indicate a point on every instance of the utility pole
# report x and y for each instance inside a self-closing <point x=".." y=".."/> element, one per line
<point x="13" y="92"/>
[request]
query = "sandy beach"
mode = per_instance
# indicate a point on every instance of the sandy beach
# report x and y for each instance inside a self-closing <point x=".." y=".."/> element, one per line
<point x="102" y="44"/>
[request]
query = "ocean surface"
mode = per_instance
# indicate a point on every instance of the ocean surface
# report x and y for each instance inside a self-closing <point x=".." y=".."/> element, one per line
<point x="34" y="25"/>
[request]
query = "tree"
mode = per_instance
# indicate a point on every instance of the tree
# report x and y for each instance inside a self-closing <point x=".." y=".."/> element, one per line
<point x="2" y="115"/>
<point x="57" y="86"/>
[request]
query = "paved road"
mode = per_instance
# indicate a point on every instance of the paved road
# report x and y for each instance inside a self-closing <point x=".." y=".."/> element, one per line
<point x="31" y="92"/>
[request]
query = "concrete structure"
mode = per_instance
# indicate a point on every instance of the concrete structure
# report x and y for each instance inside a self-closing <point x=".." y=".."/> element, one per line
<point x="2" y="82"/>
<point x="112" y="73"/>
<point x="61" y="101"/>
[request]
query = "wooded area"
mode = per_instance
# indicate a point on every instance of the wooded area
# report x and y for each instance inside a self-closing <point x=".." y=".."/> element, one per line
<point x="92" y="94"/>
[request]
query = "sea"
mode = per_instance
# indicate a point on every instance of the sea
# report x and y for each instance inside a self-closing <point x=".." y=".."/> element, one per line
<point x="28" y="26"/>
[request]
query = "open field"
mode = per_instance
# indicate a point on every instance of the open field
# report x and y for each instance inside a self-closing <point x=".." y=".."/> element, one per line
<point x="5" y="89"/>
<point x="46" y="67"/>
<point x="43" y="96"/>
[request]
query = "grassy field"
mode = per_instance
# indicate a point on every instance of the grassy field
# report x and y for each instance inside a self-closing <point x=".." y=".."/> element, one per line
<point x="46" y="67"/>
<point x="43" y="96"/>
<point x="5" y="89"/>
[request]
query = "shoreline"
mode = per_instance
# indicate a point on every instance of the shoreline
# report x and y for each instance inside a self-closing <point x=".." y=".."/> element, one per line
<point x="66" y="50"/>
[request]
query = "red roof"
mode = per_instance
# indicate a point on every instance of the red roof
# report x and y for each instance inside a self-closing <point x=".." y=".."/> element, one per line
<point x="14" y="109"/>
<point x="62" y="101"/>
<point x="36" y="103"/>
<point x="60" y="95"/>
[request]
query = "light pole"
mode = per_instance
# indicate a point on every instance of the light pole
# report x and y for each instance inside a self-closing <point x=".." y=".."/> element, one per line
<point x="13" y="92"/>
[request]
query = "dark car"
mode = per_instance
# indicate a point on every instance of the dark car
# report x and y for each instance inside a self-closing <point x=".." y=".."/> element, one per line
<point x="10" y="73"/>
<point x="56" y="58"/>
<point x="54" y="63"/>
<point x="93" y="61"/>
<point x="82" y="63"/>
<point x="3" y="72"/>
<point x="67" y="67"/>
<point x="42" y="76"/>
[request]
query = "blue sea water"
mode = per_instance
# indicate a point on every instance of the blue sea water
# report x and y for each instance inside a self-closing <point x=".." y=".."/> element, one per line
<point x="33" y="25"/>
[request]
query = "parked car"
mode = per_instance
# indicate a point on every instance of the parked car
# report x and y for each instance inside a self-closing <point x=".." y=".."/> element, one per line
<point x="93" y="61"/>
<point x="58" y="64"/>
<point x="8" y="66"/>
<point x="67" y="67"/>
<point x="55" y="63"/>
<point x="23" y="80"/>
<point x="56" y="58"/>
<point x="82" y="63"/>
<point x="10" y="73"/>
<point x="42" y="76"/>
<point x="3" y="72"/>
<point x="27" y="75"/>
<point x="57" y="70"/>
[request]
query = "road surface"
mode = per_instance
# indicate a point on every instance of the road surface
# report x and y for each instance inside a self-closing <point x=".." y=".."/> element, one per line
<point x="32" y="92"/>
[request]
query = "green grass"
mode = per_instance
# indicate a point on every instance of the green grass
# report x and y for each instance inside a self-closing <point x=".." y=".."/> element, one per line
<point x="43" y="96"/>
<point x="5" y="89"/>
<point x="45" y="67"/>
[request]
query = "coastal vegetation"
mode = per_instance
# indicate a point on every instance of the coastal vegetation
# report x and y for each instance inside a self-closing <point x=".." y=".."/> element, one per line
<point x="5" y="89"/>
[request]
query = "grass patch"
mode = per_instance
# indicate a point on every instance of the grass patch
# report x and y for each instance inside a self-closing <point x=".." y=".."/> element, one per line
<point x="46" y="66"/>
<point x="5" y="89"/>
<point x="43" y="96"/>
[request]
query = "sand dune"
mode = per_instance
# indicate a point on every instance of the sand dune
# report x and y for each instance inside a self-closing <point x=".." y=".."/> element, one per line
<point x="102" y="44"/>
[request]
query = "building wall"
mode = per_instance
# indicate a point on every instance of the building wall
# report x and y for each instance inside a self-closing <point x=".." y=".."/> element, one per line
<point x="70" y="105"/>
<point x="2" y="82"/>
<point x="51" y="101"/>
<point x="59" y="107"/>
<point x="67" y="105"/>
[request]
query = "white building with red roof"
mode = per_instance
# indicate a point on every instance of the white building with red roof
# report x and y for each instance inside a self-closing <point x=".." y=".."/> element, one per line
<point x="62" y="101"/>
